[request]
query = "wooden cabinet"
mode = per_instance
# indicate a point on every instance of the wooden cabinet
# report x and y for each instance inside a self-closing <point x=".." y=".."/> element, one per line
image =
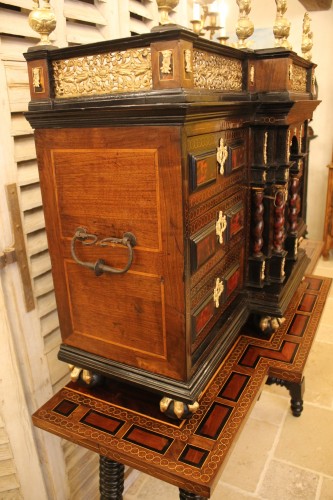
<point x="171" y="171"/>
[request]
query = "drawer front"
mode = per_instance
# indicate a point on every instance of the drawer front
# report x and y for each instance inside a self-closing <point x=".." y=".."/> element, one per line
<point x="227" y="221"/>
<point x="215" y="162"/>
<point x="215" y="295"/>
<point x="217" y="228"/>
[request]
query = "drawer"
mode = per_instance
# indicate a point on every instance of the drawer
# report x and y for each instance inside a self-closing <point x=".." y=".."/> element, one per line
<point x="226" y="222"/>
<point x="216" y="294"/>
<point x="213" y="165"/>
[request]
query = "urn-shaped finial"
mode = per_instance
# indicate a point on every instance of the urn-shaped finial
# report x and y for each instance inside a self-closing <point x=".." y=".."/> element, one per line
<point x="281" y="28"/>
<point x="42" y="20"/>
<point x="307" y="38"/>
<point x="245" y="27"/>
<point x="164" y="8"/>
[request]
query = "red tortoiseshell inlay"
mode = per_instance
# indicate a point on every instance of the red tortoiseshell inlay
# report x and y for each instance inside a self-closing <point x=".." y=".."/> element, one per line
<point x="203" y="169"/>
<point x="102" y="422"/>
<point x="307" y="303"/>
<point x="233" y="282"/>
<point x="193" y="455"/>
<point x="237" y="157"/>
<point x="65" y="408"/>
<point x="236" y="223"/>
<point x="298" y="325"/>
<point x="202" y="317"/>
<point x="214" y="421"/>
<point x="314" y="284"/>
<point x="234" y="386"/>
<point x="253" y="354"/>
<point x="148" y="439"/>
<point x="205" y="248"/>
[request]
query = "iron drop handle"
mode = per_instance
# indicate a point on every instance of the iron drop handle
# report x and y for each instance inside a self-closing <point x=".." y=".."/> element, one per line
<point x="99" y="267"/>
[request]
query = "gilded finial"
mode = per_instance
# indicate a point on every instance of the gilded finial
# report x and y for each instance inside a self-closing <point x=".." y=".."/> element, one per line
<point x="281" y="28"/>
<point x="42" y="20"/>
<point x="244" y="27"/>
<point x="307" y="38"/>
<point x="164" y="8"/>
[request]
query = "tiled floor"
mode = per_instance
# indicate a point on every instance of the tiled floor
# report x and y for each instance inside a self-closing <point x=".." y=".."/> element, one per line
<point x="278" y="456"/>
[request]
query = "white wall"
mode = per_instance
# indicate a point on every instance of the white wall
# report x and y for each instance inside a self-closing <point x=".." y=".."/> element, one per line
<point x="263" y="16"/>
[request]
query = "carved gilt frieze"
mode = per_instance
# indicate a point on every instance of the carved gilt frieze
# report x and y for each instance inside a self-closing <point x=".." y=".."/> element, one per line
<point x="124" y="71"/>
<point x="299" y="79"/>
<point x="215" y="72"/>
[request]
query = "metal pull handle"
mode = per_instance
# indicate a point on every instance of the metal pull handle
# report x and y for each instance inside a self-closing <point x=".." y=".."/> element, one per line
<point x="99" y="267"/>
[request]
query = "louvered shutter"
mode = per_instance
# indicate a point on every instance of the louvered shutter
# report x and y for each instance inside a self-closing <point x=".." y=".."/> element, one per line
<point x="78" y="22"/>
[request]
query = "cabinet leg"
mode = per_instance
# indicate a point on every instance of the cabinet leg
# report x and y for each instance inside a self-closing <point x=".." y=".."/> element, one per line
<point x="111" y="479"/>
<point x="296" y="391"/>
<point x="185" y="495"/>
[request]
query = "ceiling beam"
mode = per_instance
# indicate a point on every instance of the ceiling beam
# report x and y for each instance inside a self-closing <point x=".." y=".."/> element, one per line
<point x="316" y="4"/>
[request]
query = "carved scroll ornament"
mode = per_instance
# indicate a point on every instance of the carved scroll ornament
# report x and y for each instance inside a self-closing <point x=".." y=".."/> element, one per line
<point x="215" y="72"/>
<point x="299" y="79"/>
<point x="123" y="71"/>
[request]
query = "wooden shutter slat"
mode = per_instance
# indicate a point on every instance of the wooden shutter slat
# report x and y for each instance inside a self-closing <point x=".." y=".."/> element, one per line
<point x="140" y="9"/>
<point x="80" y="33"/>
<point x="137" y="26"/>
<point x="40" y="264"/>
<point x="46" y="304"/>
<point x="20" y="125"/>
<point x="33" y="220"/>
<point x="31" y="197"/>
<point x="27" y="173"/>
<point x="83" y="12"/>
<point x="24" y="148"/>
<point x="58" y="369"/>
<point x="52" y="340"/>
<point x="50" y="326"/>
<point x="36" y="242"/>
<point x="16" y="23"/>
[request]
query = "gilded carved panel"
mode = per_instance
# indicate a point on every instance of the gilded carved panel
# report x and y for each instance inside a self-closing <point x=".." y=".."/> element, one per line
<point x="216" y="72"/>
<point x="124" y="71"/>
<point x="299" y="79"/>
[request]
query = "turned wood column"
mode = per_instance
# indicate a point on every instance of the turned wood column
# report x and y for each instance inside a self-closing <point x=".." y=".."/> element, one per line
<point x="111" y="479"/>
<point x="185" y="495"/>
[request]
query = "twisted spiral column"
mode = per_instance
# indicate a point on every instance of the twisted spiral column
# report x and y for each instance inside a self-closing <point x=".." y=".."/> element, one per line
<point x="279" y="221"/>
<point x="257" y="225"/>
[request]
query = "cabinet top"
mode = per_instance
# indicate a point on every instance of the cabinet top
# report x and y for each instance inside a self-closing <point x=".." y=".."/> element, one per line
<point x="172" y="67"/>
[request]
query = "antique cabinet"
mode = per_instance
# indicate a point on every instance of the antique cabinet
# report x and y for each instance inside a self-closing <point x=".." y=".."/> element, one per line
<point x="171" y="171"/>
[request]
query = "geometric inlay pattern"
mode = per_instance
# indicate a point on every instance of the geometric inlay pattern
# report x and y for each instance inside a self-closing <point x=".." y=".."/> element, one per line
<point x="308" y="302"/>
<point x="120" y="422"/>
<point x="192" y="455"/>
<point x="214" y="421"/>
<point x="298" y="325"/>
<point x="253" y="354"/>
<point x="234" y="386"/>
<point x="148" y="439"/>
<point x="102" y="422"/>
<point x="65" y="408"/>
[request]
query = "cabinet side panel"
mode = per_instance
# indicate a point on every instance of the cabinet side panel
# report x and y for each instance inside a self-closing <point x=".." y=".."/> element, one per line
<point x="111" y="181"/>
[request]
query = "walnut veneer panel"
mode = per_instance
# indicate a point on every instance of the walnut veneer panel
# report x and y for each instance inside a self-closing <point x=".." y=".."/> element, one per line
<point x="111" y="181"/>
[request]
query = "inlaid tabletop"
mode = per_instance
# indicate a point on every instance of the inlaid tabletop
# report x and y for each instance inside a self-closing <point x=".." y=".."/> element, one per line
<point x="124" y="423"/>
